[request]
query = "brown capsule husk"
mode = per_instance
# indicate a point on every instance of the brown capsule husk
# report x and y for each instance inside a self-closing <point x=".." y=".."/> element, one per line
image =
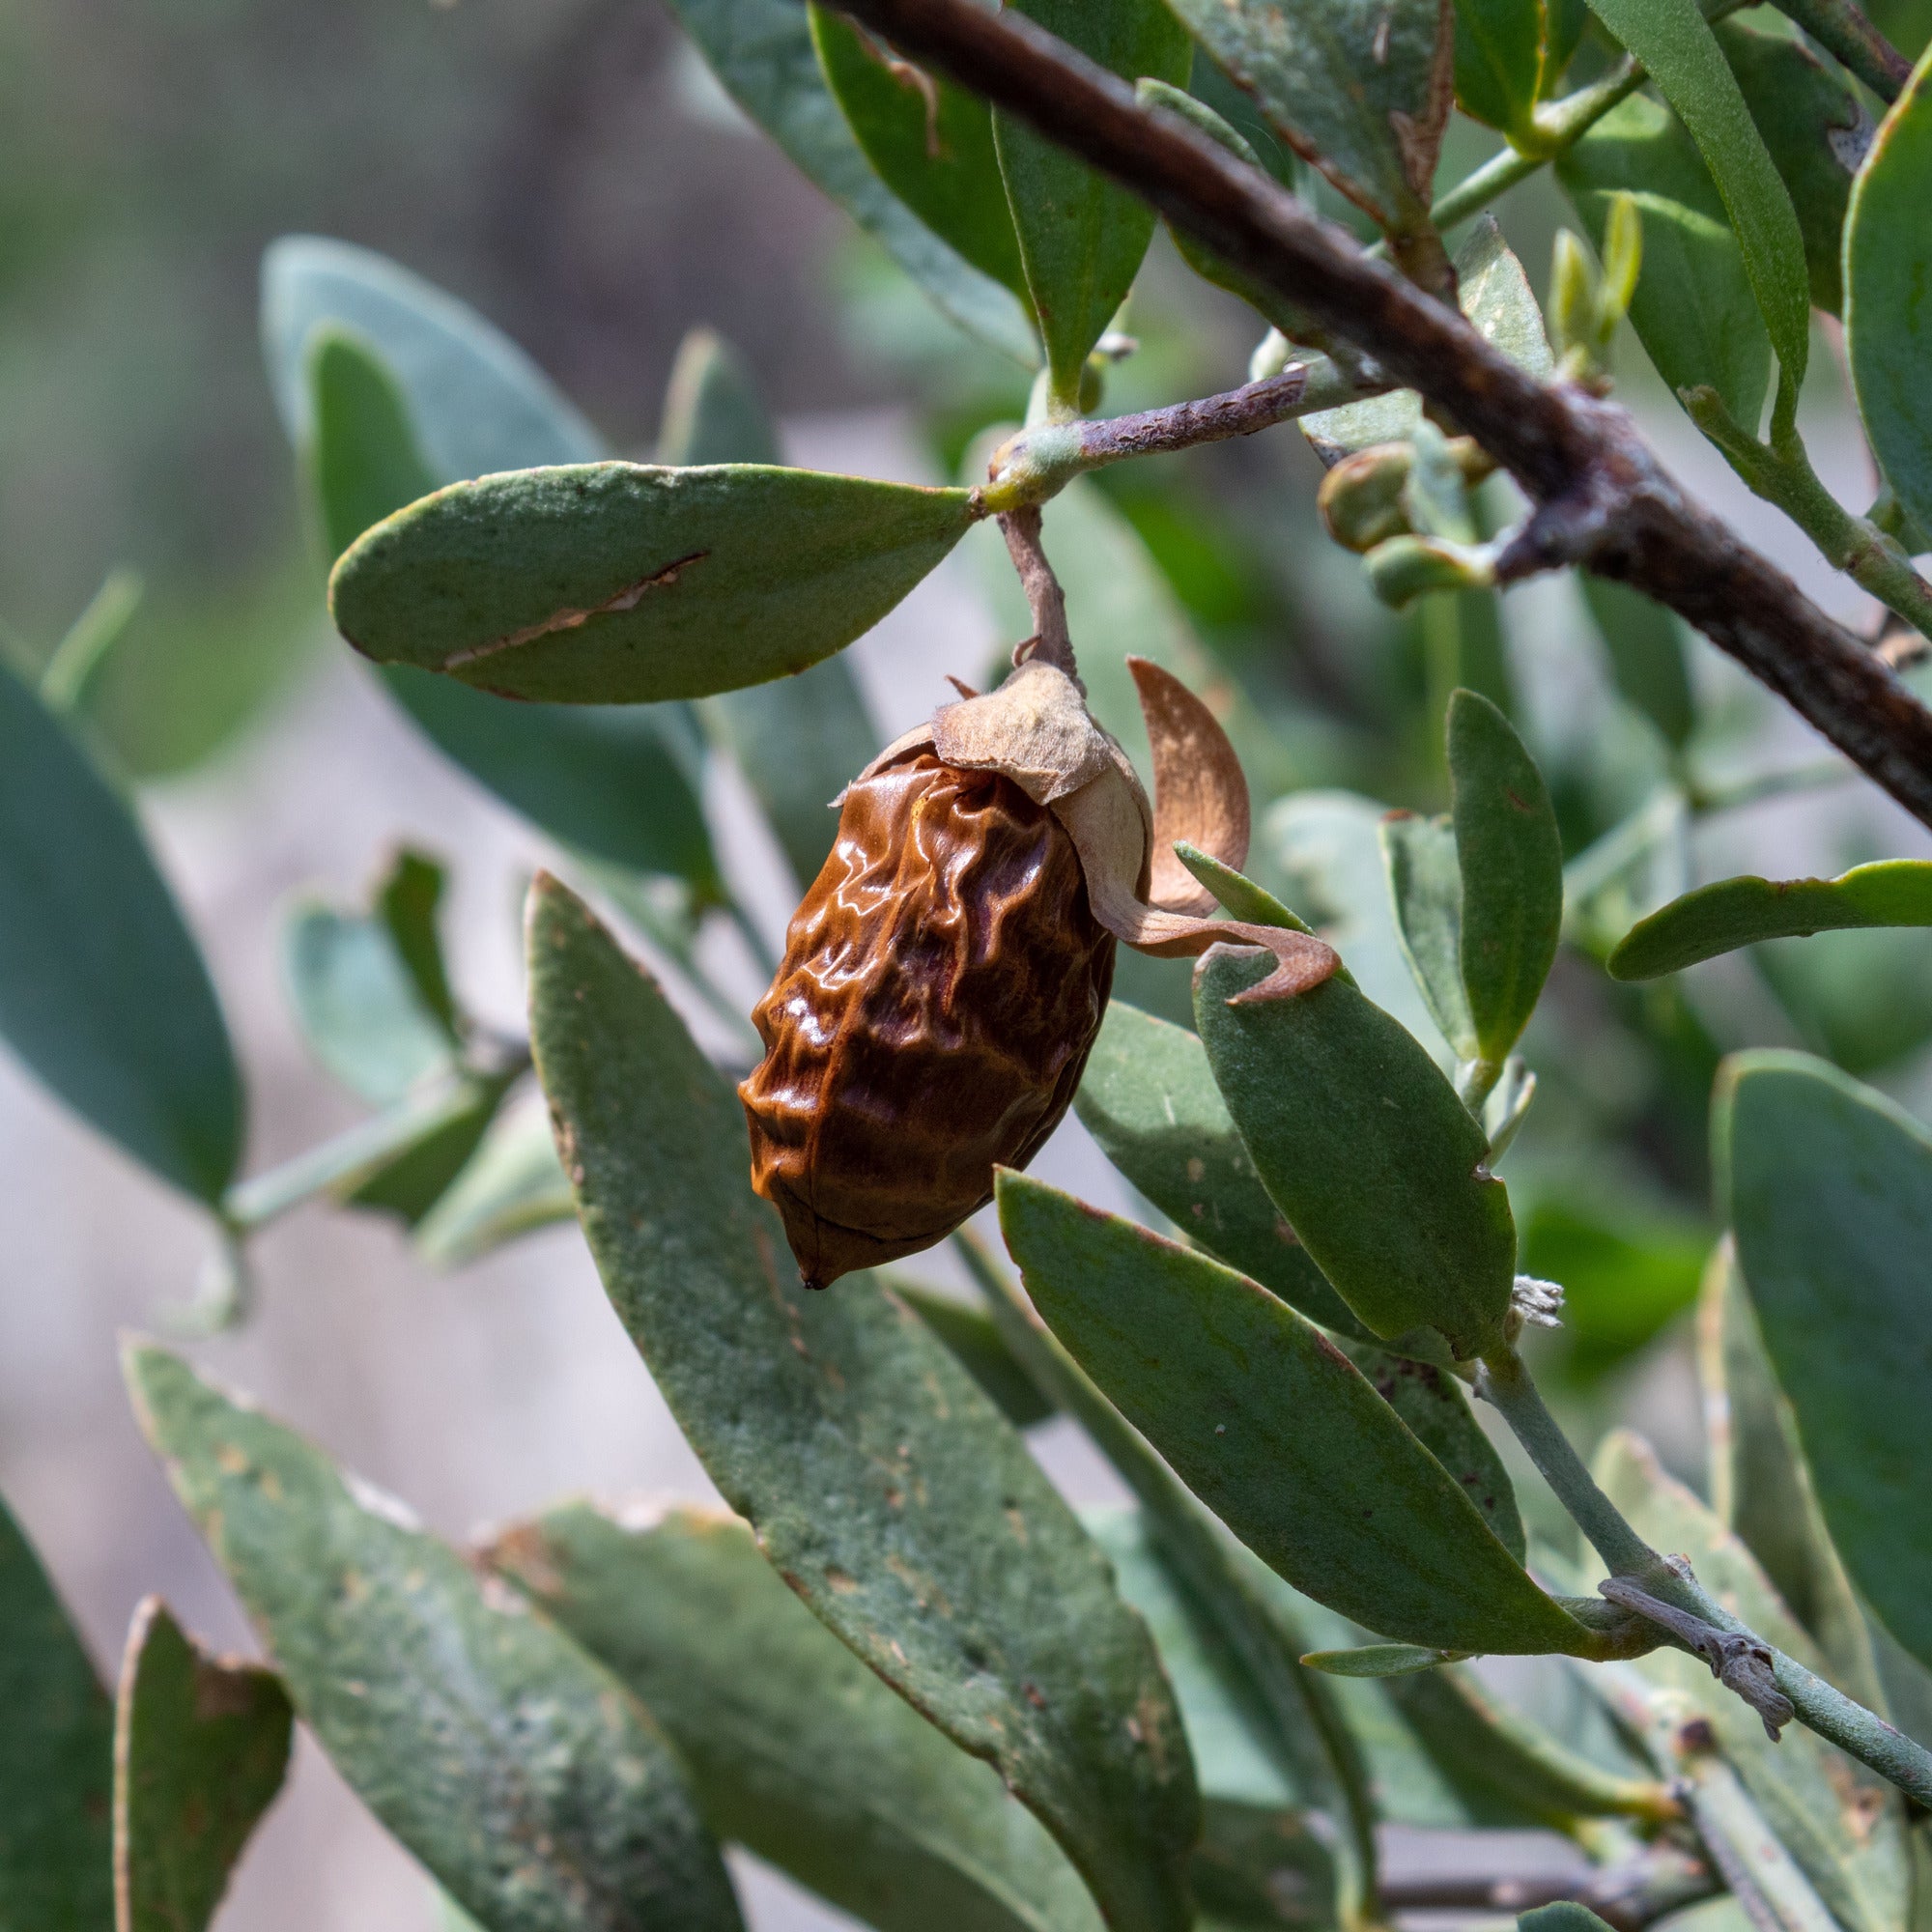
<point x="945" y="977"/>
<point x="942" y="985"/>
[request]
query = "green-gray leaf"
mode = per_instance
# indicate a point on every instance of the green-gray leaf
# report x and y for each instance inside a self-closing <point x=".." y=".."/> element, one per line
<point x="1321" y="851"/>
<point x="1760" y="1488"/>
<point x="1439" y="1417"/>
<point x="1364" y="1145"/>
<point x="1679" y="51"/>
<point x="1646" y="646"/>
<point x="1361" y="90"/>
<point x="1817" y="130"/>
<point x="975" y="1340"/>
<point x="1842" y="1822"/>
<point x="523" y="1774"/>
<point x="800" y="741"/>
<point x="1233" y="1756"/>
<point x="621" y="582"/>
<point x="1694" y="309"/>
<point x="796" y="1751"/>
<point x="102" y="990"/>
<point x="1888" y="320"/>
<point x="1831" y="1196"/>
<point x="1081" y="239"/>
<point x="1511" y="856"/>
<point x="1509" y="55"/>
<point x="1730" y="913"/>
<point x="201" y="1746"/>
<point x="357" y="1008"/>
<point x="618" y="784"/>
<point x="56" y="1771"/>
<point x="930" y="141"/>
<point x="761" y="51"/>
<point x="511" y="1185"/>
<point x="1496" y="295"/>
<point x="1149" y="1097"/>
<point x="479" y="403"/>
<point x="1275" y="1430"/>
<point x="1426" y="888"/>
<point x="883" y="1485"/>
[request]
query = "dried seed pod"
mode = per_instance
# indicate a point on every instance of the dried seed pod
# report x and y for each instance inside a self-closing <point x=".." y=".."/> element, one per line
<point x="942" y="984"/>
<point x="946" y="974"/>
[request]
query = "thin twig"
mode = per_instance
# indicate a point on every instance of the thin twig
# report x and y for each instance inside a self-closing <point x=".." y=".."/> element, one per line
<point x="1051" y="643"/>
<point x="1820" y="1707"/>
<point x="1038" y="463"/>
<point x="1602" y="500"/>
<point x="1739" y="1662"/>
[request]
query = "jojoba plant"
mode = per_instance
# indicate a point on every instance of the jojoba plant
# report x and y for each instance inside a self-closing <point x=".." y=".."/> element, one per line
<point x="899" y="1666"/>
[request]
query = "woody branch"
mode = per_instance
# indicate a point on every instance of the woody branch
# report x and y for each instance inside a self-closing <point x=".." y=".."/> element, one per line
<point x="1601" y="499"/>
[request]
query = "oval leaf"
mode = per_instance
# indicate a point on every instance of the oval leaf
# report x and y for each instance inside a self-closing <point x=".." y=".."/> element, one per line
<point x="1831" y="1196"/>
<point x="930" y="141"/>
<point x="615" y="784"/>
<point x="1360" y="87"/>
<point x="762" y="54"/>
<point x="1730" y="913"/>
<point x="1377" y="1659"/>
<point x="1322" y="852"/>
<point x="1081" y="239"/>
<point x="1888" y="320"/>
<point x="1439" y="1418"/>
<point x="1817" y="131"/>
<point x="201" y="1746"/>
<point x="1679" y="51"/>
<point x="1509" y="55"/>
<point x="1646" y="646"/>
<point x="1694" y="309"/>
<point x="1276" y="1430"/>
<point x="620" y="583"/>
<point x="56" y="1771"/>
<point x="1511" y="857"/>
<point x="1426" y="887"/>
<point x="512" y="1184"/>
<point x="1365" y="1147"/>
<point x="102" y="990"/>
<point x="948" y="1563"/>
<point x="1760" y="1488"/>
<point x="1149" y="1097"/>
<point x="796" y="1751"/>
<point x="521" y="1773"/>
<point x="479" y="403"/>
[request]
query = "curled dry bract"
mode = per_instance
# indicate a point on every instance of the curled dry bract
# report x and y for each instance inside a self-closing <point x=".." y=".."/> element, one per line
<point x="946" y="974"/>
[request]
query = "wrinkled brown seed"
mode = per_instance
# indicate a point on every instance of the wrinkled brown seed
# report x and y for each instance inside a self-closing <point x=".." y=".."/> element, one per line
<point x="942" y="984"/>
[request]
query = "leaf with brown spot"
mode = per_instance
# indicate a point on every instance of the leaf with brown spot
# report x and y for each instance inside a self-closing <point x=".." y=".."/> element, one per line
<point x="201" y="1745"/>
<point x="623" y="583"/>
<point x="523" y="1774"/>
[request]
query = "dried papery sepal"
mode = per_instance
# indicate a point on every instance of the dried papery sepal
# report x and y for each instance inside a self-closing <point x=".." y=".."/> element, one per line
<point x="1036" y="730"/>
<point x="1200" y="791"/>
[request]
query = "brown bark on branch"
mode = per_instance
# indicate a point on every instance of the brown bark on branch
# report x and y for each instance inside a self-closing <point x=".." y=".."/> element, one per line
<point x="1602" y="501"/>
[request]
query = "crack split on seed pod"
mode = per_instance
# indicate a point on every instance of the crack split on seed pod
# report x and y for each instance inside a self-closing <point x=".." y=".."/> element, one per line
<point x="1036" y="730"/>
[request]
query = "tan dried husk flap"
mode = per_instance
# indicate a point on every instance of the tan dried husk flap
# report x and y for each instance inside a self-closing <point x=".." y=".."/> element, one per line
<point x="1036" y="730"/>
